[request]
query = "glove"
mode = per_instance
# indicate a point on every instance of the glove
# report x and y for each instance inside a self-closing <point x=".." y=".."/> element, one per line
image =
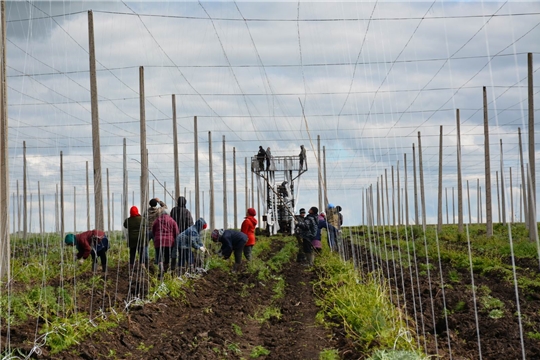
<point x="81" y="260"/>
<point x="203" y="249"/>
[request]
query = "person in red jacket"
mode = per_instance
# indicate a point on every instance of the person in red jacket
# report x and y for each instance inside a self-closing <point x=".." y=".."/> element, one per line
<point x="165" y="231"/>
<point x="248" y="228"/>
<point x="92" y="242"/>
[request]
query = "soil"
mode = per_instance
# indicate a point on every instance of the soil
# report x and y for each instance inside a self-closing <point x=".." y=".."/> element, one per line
<point x="217" y="318"/>
<point x="422" y="299"/>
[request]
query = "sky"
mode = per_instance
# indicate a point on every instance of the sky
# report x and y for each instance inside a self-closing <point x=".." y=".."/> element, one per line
<point x="368" y="76"/>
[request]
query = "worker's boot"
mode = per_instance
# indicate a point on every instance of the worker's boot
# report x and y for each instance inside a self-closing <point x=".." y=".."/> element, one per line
<point x="311" y="258"/>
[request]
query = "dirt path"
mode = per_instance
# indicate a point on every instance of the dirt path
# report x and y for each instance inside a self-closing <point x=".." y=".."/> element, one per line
<point x="221" y="317"/>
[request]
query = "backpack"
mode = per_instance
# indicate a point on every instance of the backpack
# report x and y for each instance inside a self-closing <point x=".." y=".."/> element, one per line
<point x="100" y="243"/>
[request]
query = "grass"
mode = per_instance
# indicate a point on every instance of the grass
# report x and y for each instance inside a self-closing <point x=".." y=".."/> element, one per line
<point x="258" y="351"/>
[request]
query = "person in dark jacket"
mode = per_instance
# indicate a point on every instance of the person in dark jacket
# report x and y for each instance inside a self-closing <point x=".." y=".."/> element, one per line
<point x="186" y="241"/>
<point x="92" y="242"/>
<point x="165" y="231"/>
<point x="231" y="241"/>
<point x="248" y="228"/>
<point x="302" y="156"/>
<point x="182" y="215"/>
<point x="299" y="220"/>
<point x="308" y="232"/>
<point x="261" y="156"/>
<point x="322" y="224"/>
<point x="136" y="237"/>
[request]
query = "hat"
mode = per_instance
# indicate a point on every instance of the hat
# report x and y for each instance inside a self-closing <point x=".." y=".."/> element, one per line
<point x="216" y="234"/>
<point x="134" y="211"/>
<point x="338" y="208"/>
<point x="251" y="212"/>
<point x="314" y="209"/>
<point x="302" y="211"/>
<point x="322" y="215"/>
<point x="331" y="206"/>
<point x="70" y="239"/>
<point x="153" y="203"/>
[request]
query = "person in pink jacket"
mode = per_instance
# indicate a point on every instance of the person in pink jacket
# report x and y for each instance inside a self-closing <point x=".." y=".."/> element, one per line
<point x="165" y="231"/>
<point x="248" y="228"/>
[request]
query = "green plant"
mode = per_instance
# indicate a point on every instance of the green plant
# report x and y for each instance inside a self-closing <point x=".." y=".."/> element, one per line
<point x="234" y="347"/>
<point x="267" y="313"/>
<point x="329" y="354"/>
<point x="143" y="347"/>
<point x="237" y="330"/>
<point x="453" y="276"/>
<point x="259" y="350"/>
<point x="460" y="306"/>
<point x="533" y="335"/>
<point x="396" y="355"/>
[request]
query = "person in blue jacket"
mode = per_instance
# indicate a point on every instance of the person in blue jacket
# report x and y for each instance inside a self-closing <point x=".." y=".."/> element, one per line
<point x="232" y="241"/>
<point x="186" y="241"/>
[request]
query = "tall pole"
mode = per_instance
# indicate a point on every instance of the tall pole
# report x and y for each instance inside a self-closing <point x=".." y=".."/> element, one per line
<point x="498" y="195"/>
<point x="533" y="228"/>
<point x="416" y="221"/>
<point x="439" y="194"/>
<point x="125" y="184"/>
<point x="453" y="207"/>
<point x="25" y="195"/>
<point x="489" y="219"/>
<point x="62" y="224"/>
<point x="511" y="199"/>
<point x="459" y="177"/>
<point x="252" y="192"/>
<point x="446" y="195"/>
<point x="469" y="203"/>
<point x="503" y="199"/>
<point x="211" y="179"/>
<point x="393" y="200"/>
<point x="246" y="178"/>
<point x="39" y="208"/>
<point x="19" y="210"/>
<point x="56" y="212"/>
<point x="5" y="250"/>
<point x="523" y="182"/>
<point x="175" y="147"/>
<point x="225" y="220"/>
<point x="319" y="171"/>
<point x="235" y="195"/>
<point x="325" y="184"/>
<point x="74" y="209"/>
<point x="108" y="203"/>
<point x="144" y="151"/>
<point x="422" y="190"/>
<point x="87" y="199"/>
<point x="96" y="147"/>
<point x="387" y="197"/>
<point x="478" y="202"/>
<point x="400" y="210"/>
<point x="196" y="145"/>
<point x="406" y="191"/>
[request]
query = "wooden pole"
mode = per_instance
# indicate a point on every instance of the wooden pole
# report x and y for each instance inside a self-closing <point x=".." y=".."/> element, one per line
<point x="393" y="200"/>
<point x="144" y="151"/>
<point x="503" y="198"/>
<point x="511" y="199"/>
<point x="422" y="190"/>
<point x="382" y="200"/>
<point x="211" y="179"/>
<point x="400" y="210"/>
<point x="478" y="203"/>
<point x="5" y="247"/>
<point x="378" y="205"/>
<point x="416" y="220"/>
<point x="96" y="147"/>
<point x="363" y="209"/>
<point x="498" y="196"/>
<point x="406" y="191"/>
<point x="108" y="203"/>
<point x="19" y="210"/>
<point x="523" y="182"/>
<point x="533" y="228"/>
<point x="325" y="184"/>
<point x="387" y="197"/>
<point x="520" y="202"/>
<point x="246" y="178"/>
<point x="154" y="189"/>
<point x="125" y="190"/>
<point x="439" y="195"/>
<point x="235" y="195"/>
<point x="225" y="220"/>
<point x="112" y="212"/>
<point x="252" y="192"/>
<point x="25" y="195"/>
<point x="176" y="159"/>
<point x="39" y="209"/>
<point x="319" y="171"/>
<point x="196" y="145"/>
<point x="62" y="218"/>
<point x="489" y="218"/>
<point x="74" y="209"/>
<point x="469" y="203"/>
<point x="481" y="210"/>
<point x="30" y="214"/>
<point x="459" y="176"/>
<point x="87" y="199"/>
<point x="453" y="207"/>
<point x="43" y="211"/>
<point x="446" y="195"/>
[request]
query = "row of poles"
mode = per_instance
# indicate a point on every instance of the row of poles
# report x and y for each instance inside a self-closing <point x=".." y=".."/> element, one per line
<point x="527" y="186"/>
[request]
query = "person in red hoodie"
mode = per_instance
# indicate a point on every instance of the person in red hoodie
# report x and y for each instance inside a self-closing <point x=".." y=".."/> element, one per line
<point x="165" y="231"/>
<point x="248" y="228"/>
<point x="92" y="242"/>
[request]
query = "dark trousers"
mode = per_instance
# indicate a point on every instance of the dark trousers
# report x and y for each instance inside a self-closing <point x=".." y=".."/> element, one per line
<point x="141" y="250"/>
<point x="102" y="254"/>
<point x="306" y="246"/>
<point x="238" y="254"/>
<point x="163" y="256"/>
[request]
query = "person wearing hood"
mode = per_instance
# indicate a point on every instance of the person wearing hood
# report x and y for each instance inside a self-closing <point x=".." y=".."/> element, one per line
<point x="92" y="242"/>
<point x="322" y="224"/>
<point x="136" y="237"/>
<point x="182" y="215"/>
<point x="302" y="156"/>
<point x="186" y="241"/>
<point x="165" y="231"/>
<point x="248" y="228"/>
<point x="231" y="241"/>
